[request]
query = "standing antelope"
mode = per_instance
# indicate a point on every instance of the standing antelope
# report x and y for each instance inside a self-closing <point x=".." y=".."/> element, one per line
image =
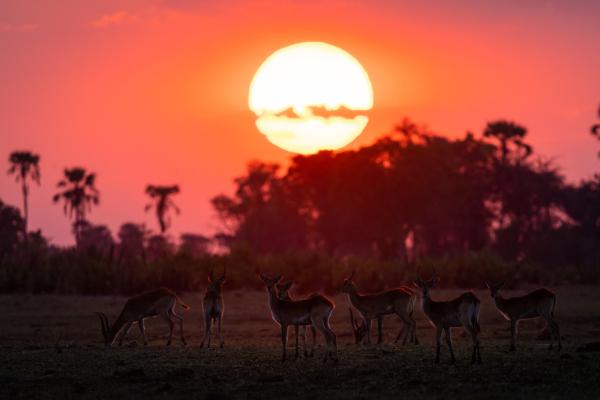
<point x="539" y="303"/>
<point x="283" y="290"/>
<point x="359" y="330"/>
<point x="213" y="308"/>
<point x="399" y="301"/>
<point x="317" y="310"/>
<point x="443" y="315"/>
<point x="160" y="302"/>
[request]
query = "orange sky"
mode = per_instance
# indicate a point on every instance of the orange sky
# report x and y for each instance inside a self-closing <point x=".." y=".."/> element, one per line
<point x="156" y="91"/>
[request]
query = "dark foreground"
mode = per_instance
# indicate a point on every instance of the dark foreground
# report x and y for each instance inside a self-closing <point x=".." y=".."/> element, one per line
<point x="51" y="349"/>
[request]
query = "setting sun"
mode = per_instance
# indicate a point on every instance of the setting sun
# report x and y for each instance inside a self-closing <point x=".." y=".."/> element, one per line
<point x="311" y="96"/>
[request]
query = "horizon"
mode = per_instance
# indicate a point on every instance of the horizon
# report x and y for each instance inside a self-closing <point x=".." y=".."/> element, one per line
<point x="162" y="97"/>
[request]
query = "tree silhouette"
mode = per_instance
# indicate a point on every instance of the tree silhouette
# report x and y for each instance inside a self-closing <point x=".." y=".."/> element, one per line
<point x="595" y="129"/>
<point x="194" y="244"/>
<point x="78" y="196"/>
<point x="25" y="165"/>
<point x="162" y="203"/>
<point x="96" y="239"/>
<point x="11" y="229"/>
<point x="262" y="214"/>
<point x="132" y="238"/>
<point x="508" y="133"/>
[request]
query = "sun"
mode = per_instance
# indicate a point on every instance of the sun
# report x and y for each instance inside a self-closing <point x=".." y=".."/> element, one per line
<point x="311" y="96"/>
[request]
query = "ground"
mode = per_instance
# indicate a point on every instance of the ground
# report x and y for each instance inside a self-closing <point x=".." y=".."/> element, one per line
<point x="51" y="348"/>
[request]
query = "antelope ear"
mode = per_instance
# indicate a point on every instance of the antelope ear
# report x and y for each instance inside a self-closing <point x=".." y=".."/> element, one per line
<point x="277" y="278"/>
<point x="435" y="281"/>
<point x="487" y="284"/>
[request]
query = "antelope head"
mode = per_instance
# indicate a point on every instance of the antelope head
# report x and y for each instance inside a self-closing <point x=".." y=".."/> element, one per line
<point x="270" y="283"/>
<point x="283" y="290"/>
<point x="348" y="285"/>
<point x="425" y="285"/>
<point x="359" y="330"/>
<point x="494" y="289"/>
<point x="215" y="285"/>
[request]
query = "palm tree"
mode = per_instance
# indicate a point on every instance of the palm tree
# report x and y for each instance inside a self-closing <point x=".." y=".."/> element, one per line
<point x="25" y="165"/>
<point x="78" y="196"/>
<point x="162" y="203"/>
<point x="507" y="132"/>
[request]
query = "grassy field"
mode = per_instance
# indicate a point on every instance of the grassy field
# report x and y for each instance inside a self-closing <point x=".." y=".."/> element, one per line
<point x="51" y="349"/>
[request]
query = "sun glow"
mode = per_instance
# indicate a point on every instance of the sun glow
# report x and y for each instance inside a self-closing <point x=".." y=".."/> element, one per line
<point x="311" y="96"/>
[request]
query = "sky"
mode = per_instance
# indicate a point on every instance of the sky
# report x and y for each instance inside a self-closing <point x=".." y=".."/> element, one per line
<point x="156" y="92"/>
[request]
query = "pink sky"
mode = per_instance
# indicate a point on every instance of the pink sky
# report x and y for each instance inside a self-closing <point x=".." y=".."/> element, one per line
<point x="156" y="91"/>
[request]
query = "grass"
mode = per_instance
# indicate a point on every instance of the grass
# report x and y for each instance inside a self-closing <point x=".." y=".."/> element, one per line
<point x="51" y="349"/>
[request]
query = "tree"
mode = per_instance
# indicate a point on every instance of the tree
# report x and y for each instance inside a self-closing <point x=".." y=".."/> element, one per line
<point x="159" y="247"/>
<point x="595" y="129"/>
<point x="78" y="196"/>
<point x="509" y="135"/>
<point x="162" y="203"/>
<point x="25" y="165"/>
<point x="262" y="214"/>
<point x="132" y="239"/>
<point x="11" y="229"/>
<point x="194" y="244"/>
<point x="96" y="239"/>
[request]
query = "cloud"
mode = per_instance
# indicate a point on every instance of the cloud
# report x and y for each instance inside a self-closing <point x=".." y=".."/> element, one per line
<point x="4" y="27"/>
<point x="117" y="18"/>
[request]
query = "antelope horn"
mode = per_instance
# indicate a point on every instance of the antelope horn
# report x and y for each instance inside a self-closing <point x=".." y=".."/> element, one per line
<point x="434" y="273"/>
<point x="106" y="324"/>
<point x="103" y="323"/>
<point x="352" y="275"/>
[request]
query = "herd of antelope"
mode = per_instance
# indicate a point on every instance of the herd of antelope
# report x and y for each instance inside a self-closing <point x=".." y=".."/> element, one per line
<point x="315" y="311"/>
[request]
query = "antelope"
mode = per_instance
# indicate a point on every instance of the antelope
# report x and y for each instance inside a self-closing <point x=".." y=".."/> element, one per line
<point x="160" y="302"/>
<point x="283" y="290"/>
<point x="539" y="303"/>
<point x="315" y="310"/>
<point x="213" y="307"/>
<point x="359" y="330"/>
<point x="443" y="315"/>
<point x="399" y="301"/>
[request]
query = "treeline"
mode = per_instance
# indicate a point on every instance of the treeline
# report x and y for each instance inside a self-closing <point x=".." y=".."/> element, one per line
<point x="414" y="195"/>
<point x="475" y="208"/>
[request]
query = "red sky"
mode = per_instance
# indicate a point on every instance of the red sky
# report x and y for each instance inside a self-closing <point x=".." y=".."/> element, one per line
<point x="156" y="91"/>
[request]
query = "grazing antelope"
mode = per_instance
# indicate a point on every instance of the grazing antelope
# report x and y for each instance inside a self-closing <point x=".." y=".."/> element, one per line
<point x="315" y="310"/>
<point x="213" y="307"/>
<point x="443" y="315"/>
<point x="283" y="290"/>
<point x="539" y="303"/>
<point x="399" y="301"/>
<point x="160" y="302"/>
